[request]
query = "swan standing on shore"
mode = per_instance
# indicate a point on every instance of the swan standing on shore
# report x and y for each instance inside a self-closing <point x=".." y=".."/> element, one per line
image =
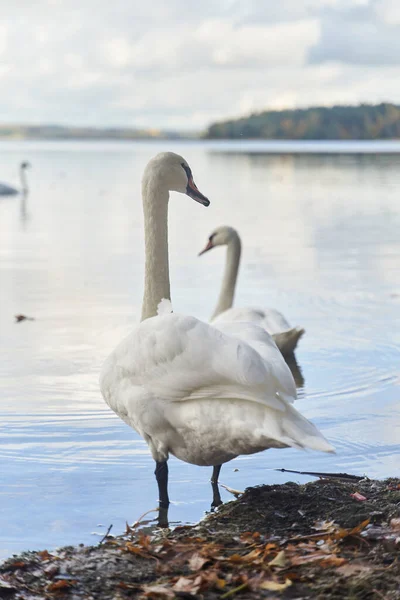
<point x="189" y="389"/>
<point x="8" y="190"/>
<point x="271" y="320"/>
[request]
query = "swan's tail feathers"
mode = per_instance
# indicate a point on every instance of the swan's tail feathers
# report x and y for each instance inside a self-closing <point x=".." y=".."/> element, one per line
<point x="287" y="340"/>
<point x="302" y="433"/>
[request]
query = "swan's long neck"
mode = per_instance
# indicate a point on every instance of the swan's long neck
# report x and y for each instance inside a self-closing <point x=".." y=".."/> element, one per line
<point x="227" y="291"/>
<point x="24" y="181"/>
<point x="156" y="279"/>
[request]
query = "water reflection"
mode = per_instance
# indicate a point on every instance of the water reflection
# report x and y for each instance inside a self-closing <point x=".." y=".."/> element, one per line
<point x="23" y="201"/>
<point x="321" y="244"/>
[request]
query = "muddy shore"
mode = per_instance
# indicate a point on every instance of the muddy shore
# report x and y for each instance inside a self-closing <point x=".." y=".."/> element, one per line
<point x="325" y="540"/>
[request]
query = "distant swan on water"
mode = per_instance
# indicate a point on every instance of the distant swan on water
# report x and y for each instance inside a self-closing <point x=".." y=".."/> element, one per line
<point x="285" y="336"/>
<point x="202" y="394"/>
<point x="8" y="190"/>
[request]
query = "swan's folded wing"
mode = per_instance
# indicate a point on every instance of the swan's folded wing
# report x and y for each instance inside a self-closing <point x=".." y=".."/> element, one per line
<point x="270" y="319"/>
<point x="255" y="336"/>
<point x="237" y="314"/>
<point x="274" y="321"/>
<point x="176" y="358"/>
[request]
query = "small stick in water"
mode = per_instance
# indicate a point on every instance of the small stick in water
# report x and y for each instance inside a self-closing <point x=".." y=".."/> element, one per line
<point x="344" y="476"/>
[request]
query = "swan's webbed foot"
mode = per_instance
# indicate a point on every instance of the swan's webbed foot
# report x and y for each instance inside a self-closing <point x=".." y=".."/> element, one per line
<point x="161" y="474"/>
<point x="214" y="484"/>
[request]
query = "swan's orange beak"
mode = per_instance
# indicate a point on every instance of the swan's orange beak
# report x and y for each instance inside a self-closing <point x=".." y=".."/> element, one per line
<point x="207" y="248"/>
<point x="193" y="191"/>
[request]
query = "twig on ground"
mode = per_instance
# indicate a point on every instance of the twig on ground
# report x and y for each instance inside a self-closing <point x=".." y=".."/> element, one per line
<point x="239" y="588"/>
<point x="137" y="522"/>
<point x="235" y="493"/>
<point x="107" y="532"/>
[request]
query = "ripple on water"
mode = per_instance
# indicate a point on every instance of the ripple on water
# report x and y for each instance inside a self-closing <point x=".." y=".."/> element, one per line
<point x="68" y="439"/>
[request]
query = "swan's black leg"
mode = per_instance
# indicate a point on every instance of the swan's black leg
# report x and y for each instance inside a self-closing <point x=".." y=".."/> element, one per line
<point x="161" y="474"/>
<point x="214" y="484"/>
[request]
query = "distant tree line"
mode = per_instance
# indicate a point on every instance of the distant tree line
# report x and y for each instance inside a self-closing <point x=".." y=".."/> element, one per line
<point x="364" y="122"/>
<point x="60" y="132"/>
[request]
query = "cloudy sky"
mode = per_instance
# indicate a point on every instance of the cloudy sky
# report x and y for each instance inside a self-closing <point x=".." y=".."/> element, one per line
<point x="184" y="63"/>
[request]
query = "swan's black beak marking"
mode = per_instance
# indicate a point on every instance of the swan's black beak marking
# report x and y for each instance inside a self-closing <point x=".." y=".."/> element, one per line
<point x="193" y="191"/>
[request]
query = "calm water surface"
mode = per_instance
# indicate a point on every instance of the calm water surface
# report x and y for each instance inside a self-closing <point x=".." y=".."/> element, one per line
<point x="321" y="243"/>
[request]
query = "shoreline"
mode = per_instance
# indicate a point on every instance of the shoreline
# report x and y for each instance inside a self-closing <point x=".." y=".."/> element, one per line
<point x="326" y="539"/>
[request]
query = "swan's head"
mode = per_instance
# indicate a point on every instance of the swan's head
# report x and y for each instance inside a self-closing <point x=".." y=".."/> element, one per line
<point x="221" y="236"/>
<point x="172" y="172"/>
<point x="25" y="165"/>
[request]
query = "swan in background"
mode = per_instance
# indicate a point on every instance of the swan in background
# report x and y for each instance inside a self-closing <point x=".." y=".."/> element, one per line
<point x="202" y="394"/>
<point x="271" y="320"/>
<point x="8" y="190"/>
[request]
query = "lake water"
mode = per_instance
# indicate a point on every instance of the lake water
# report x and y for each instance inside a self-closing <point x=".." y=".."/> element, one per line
<point x="321" y="240"/>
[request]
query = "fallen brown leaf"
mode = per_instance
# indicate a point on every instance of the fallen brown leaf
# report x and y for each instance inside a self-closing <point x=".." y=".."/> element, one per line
<point x="279" y="560"/>
<point x="246" y="558"/>
<point x="333" y="561"/>
<point x="351" y="569"/>
<point x="44" y="555"/>
<point x="359" y="527"/>
<point x="343" y="533"/>
<point x="158" y="591"/>
<point x="275" y="586"/>
<point x="62" y="584"/>
<point x="395" y="524"/>
<point x="184" y="584"/>
<point x="139" y="551"/>
<point x="196" y="562"/>
<point x="126" y="586"/>
<point x="324" y="525"/>
<point x="220" y="583"/>
<point x="328" y="560"/>
<point x="19" y="564"/>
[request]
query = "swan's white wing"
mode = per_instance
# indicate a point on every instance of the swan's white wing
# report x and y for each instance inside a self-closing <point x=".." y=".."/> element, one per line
<point x="270" y="319"/>
<point x="234" y="314"/>
<point x="201" y="394"/>
<point x="175" y="358"/>
<point x="274" y="321"/>
<point x="256" y="337"/>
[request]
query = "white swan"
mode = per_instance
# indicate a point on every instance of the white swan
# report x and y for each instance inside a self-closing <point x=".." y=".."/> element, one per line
<point x="8" y="190"/>
<point x="188" y="388"/>
<point x="271" y="320"/>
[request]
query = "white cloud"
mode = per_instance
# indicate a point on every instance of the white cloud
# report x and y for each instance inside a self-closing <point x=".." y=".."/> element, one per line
<point x="118" y="52"/>
<point x="360" y="33"/>
<point x="3" y="39"/>
<point x="183" y="63"/>
<point x="263" y="45"/>
<point x="388" y="11"/>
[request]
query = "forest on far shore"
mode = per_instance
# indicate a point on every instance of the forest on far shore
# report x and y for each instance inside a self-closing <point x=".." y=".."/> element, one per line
<point x="364" y="122"/>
